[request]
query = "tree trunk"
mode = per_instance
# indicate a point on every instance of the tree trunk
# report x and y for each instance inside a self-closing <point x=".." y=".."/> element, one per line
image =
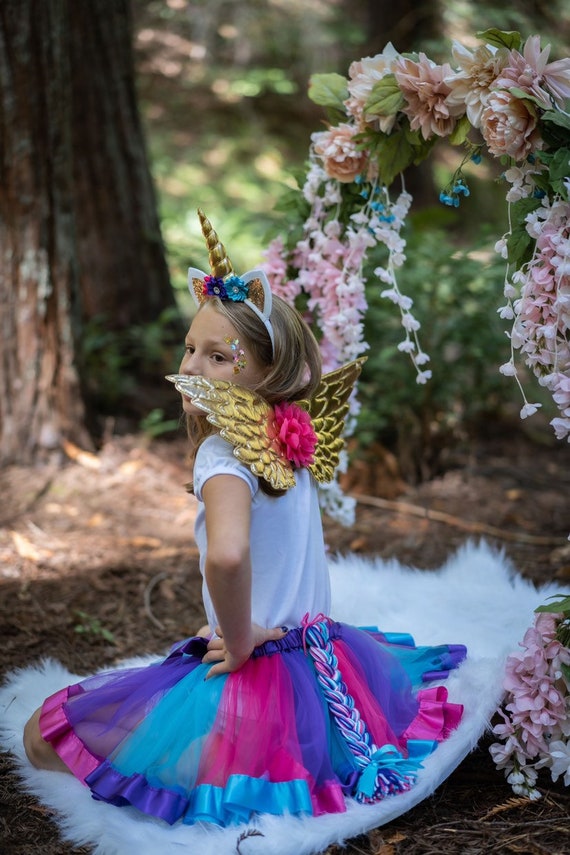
<point x="79" y="233"/>
<point x="410" y="26"/>
<point x="123" y="271"/>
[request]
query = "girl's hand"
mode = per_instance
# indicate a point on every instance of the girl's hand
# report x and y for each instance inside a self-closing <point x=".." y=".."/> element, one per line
<point x="226" y="662"/>
<point x="204" y="631"/>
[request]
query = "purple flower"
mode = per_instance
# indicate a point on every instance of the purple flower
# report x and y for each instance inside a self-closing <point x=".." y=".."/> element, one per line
<point x="214" y="287"/>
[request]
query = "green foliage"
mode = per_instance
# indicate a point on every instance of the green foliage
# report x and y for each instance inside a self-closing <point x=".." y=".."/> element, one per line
<point x="328" y="90"/>
<point x="92" y="627"/>
<point x="110" y="356"/>
<point x="560" y="606"/>
<point x="228" y="134"/>
<point x="456" y="295"/>
<point x="500" y="38"/>
<point x="385" y="98"/>
<point x="155" y="424"/>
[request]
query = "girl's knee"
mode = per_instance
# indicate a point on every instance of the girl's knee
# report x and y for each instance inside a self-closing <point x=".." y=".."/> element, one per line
<point x="38" y="751"/>
<point x="32" y="737"/>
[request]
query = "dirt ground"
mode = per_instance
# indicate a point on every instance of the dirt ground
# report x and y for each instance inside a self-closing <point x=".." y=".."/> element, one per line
<point x="97" y="563"/>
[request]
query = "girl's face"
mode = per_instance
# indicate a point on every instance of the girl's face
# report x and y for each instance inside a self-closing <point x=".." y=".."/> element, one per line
<point x="213" y="349"/>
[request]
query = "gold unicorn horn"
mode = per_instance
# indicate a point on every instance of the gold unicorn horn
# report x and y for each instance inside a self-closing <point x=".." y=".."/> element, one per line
<point x="220" y="264"/>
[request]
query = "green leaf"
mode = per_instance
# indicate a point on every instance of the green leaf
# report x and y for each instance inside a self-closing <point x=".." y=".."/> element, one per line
<point x="561" y="605"/>
<point x="328" y="90"/>
<point x="524" y="96"/>
<point x="460" y="131"/>
<point x="394" y="154"/>
<point x="385" y="98"/>
<point x="517" y="245"/>
<point x="559" y="165"/>
<point x="557" y="118"/>
<point x="519" y="241"/>
<point x="501" y="38"/>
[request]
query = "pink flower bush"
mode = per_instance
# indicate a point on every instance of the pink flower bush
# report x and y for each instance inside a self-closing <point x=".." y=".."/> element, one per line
<point x="541" y="313"/>
<point x="394" y="109"/>
<point x="295" y="433"/>
<point x="535" y="726"/>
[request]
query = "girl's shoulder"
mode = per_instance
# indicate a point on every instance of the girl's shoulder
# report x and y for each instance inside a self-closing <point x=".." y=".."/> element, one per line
<point x="215" y="457"/>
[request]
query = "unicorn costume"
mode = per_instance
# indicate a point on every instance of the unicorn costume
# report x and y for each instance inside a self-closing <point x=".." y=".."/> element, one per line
<point x="328" y="713"/>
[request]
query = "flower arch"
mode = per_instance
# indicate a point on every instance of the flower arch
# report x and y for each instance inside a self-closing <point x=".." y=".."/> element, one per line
<point x="502" y="98"/>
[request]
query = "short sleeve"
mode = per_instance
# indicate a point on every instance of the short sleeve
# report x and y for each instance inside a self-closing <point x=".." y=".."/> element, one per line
<point x="215" y="457"/>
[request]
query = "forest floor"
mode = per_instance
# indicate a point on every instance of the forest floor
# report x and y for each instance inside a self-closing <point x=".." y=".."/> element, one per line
<point x="98" y="563"/>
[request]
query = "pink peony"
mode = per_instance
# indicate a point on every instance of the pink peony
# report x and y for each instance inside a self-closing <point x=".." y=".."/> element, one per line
<point x="295" y="433"/>
<point x="338" y="150"/>
<point x="424" y="88"/>
<point x="509" y="126"/>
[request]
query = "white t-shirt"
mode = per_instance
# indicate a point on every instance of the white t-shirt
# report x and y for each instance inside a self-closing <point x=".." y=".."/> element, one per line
<point x="289" y="569"/>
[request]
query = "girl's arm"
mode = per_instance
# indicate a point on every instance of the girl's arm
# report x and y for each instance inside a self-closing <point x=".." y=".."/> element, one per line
<point x="227" y="502"/>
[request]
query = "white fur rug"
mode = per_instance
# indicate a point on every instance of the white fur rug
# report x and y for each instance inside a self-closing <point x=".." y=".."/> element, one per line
<point x="476" y="599"/>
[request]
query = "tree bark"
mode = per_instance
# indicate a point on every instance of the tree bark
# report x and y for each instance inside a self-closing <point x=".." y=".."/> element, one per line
<point x="123" y="272"/>
<point x="79" y="233"/>
<point x="39" y="387"/>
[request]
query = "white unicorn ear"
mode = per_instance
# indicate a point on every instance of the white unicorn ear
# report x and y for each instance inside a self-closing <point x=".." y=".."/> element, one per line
<point x="196" y="284"/>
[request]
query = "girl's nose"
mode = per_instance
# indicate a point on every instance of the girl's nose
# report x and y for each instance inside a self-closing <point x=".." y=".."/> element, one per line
<point x="188" y="364"/>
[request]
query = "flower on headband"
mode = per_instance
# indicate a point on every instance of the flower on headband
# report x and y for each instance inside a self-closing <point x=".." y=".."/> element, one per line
<point x="296" y="434"/>
<point x="214" y="287"/>
<point x="236" y="289"/>
<point x="233" y="288"/>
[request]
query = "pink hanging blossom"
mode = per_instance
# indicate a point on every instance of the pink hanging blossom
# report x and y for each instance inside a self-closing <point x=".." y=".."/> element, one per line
<point x="536" y="711"/>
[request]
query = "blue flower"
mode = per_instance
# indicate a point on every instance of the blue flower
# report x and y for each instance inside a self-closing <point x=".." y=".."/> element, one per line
<point x="236" y="289"/>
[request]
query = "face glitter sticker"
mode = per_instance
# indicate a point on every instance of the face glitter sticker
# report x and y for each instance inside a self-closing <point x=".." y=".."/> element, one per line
<point x="238" y="354"/>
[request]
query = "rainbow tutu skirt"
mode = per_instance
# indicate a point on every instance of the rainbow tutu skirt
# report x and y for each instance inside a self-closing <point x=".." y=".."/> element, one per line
<point x="327" y="713"/>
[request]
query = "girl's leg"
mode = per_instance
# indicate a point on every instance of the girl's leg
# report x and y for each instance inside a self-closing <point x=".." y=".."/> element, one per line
<point x="40" y="753"/>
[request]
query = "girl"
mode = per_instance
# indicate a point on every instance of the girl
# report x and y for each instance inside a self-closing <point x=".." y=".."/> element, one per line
<point x="273" y="707"/>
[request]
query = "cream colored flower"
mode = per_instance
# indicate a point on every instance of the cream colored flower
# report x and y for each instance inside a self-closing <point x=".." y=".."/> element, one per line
<point x="471" y="85"/>
<point x="509" y="126"/>
<point x="424" y="88"/>
<point x="362" y="77"/>
<point x="341" y="158"/>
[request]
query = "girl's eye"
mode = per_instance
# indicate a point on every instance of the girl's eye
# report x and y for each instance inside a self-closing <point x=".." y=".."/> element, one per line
<point x="218" y="357"/>
<point x="188" y="348"/>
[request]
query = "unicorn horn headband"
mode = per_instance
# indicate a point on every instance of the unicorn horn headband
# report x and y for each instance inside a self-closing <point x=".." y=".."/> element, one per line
<point x="252" y="288"/>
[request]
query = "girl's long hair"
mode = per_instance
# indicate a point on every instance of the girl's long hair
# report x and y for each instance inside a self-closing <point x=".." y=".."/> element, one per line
<point x="293" y="366"/>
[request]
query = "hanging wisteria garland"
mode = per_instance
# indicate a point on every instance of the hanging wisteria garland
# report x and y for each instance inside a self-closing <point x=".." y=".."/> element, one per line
<point x="387" y="115"/>
<point x="534" y="726"/>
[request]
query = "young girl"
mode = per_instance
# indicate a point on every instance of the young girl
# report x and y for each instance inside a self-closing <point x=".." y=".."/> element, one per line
<point x="273" y="707"/>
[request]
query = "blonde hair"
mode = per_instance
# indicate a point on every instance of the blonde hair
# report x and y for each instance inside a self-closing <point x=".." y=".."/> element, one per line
<point x="292" y="366"/>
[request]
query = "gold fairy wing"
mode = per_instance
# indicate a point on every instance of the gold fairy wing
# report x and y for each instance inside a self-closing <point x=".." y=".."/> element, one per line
<point x="244" y="419"/>
<point x="328" y="409"/>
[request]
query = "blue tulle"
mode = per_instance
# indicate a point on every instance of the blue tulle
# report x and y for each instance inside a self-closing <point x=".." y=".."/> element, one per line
<point x="243" y="795"/>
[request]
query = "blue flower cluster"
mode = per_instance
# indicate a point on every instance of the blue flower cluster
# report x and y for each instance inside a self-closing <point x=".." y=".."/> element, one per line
<point x="451" y="197"/>
<point x="233" y="288"/>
